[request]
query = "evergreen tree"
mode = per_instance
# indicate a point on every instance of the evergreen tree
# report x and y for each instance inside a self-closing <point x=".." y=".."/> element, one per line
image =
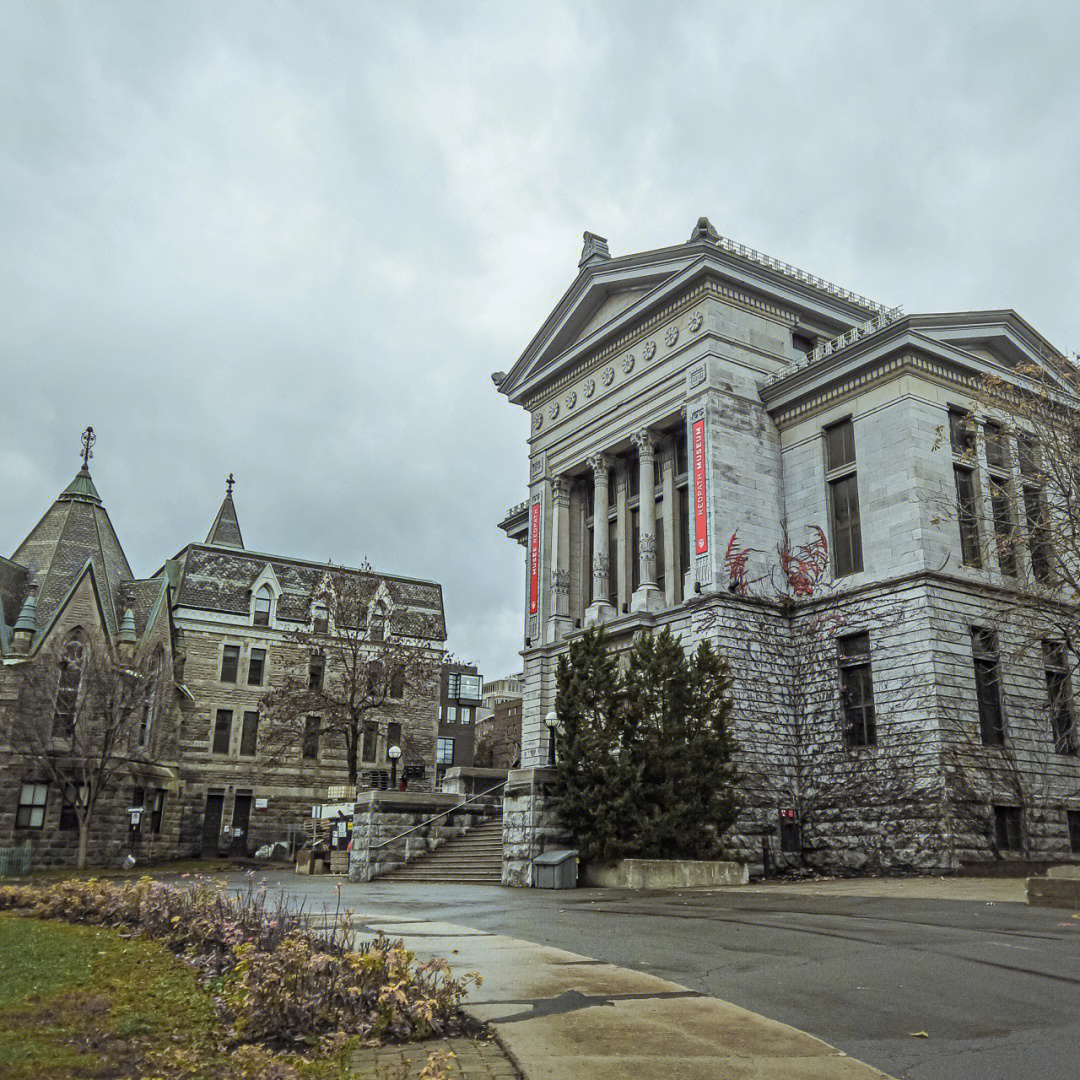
<point x="645" y="758"/>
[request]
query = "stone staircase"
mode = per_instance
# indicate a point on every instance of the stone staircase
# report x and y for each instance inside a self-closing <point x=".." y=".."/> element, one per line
<point x="472" y="859"/>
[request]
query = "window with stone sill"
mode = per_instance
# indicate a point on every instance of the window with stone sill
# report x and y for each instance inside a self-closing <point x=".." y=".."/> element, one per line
<point x="1008" y="828"/>
<point x="1059" y="698"/>
<point x="66" y="703"/>
<point x="316" y="671"/>
<point x="309" y="749"/>
<point x="69" y="820"/>
<point x="230" y="663"/>
<point x="256" y="667"/>
<point x="30" y="812"/>
<point x="249" y="734"/>
<point x="263" y="602"/>
<point x="984" y="647"/>
<point x="857" y="689"/>
<point x="1072" y="818"/>
<point x="222" y="733"/>
<point x="843" y="492"/>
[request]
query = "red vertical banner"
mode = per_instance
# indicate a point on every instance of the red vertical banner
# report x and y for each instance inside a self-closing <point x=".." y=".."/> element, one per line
<point x="534" y="559"/>
<point x="701" y="506"/>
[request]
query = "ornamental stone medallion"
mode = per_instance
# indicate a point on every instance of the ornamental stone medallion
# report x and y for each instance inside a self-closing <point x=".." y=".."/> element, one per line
<point x="648" y="350"/>
<point x="608" y="376"/>
<point x="571" y="399"/>
<point x="695" y="322"/>
<point x="671" y="336"/>
<point x="538" y="421"/>
<point x="628" y="363"/>
<point x="553" y="411"/>
<point x="588" y="388"/>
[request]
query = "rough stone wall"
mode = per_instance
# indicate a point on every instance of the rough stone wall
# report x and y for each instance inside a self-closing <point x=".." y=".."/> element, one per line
<point x="290" y="785"/>
<point x="531" y="825"/>
<point x="381" y="817"/>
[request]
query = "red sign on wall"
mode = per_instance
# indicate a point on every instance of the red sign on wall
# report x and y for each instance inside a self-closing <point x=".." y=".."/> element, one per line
<point x="534" y="560"/>
<point x="701" y="509"/>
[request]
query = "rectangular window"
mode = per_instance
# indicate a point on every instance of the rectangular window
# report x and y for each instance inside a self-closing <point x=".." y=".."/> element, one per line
<point x="856" y="689"/>
<point x="633" y="476"/>
<point x="1004" y="530"/>
<point x="310" y="747"/>
<point x="1038" y="539"/>
<point x="30" y="813"/>
<point x="613" y="569"/>
<point x="588" y="568"/>
<point x="393" y="735"/>
<point x="451" y="714"/>
<point x="369" y="749"/>
<point x="682" y="452"/>
<point x="661" y="576"/>
<point x="1008" y="832"/>
<point x="157" y="811"/>
<point x="256" y="667"/>
<point x="249" y="734"/>
<point x="1059" y="697"/>
<point x="397" y="683"/>
<point x="967" y="516"/>
<point x="984" y="649"/>
<point x="1073" y="817"/>
<point x="997" y="448"/>
<point x="69" y="820"/>
<point x="316" y="670"/>
<point x="230" y="662"/>
<point x="843" y="498"/>
<point x="444" y="752"/>
<point x="466" y="715"/>
<point x="222" y="731"/>
<point x="635" y="544"/>
<point x="962" y="434"/>
<point x="469" y="687"/>
<point x="682" y="526"/>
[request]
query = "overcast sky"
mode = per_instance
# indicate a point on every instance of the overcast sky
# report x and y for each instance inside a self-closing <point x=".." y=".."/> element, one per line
<point x="294" y="240"/>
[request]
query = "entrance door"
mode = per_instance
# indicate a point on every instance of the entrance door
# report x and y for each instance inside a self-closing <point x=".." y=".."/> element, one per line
<point x="211" y="828"/>
<point x="240" y="817"/>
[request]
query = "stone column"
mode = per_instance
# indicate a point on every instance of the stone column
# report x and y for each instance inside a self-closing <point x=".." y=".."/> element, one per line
<point x="559" y="620"/>
<point x="600" y="610"/>
<point x="671" y="535"/>
<point x="647" y="596"/>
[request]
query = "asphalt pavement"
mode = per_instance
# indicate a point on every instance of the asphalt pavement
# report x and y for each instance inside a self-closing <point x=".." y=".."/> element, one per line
<point x="949" y="983"/>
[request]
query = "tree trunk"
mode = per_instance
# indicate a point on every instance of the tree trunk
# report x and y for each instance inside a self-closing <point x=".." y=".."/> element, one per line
<point x="84" y="835"/>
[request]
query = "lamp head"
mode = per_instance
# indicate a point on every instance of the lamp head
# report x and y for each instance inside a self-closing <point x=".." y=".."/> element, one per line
<point x="552" y="720"/>
<point x="394" y="753"/>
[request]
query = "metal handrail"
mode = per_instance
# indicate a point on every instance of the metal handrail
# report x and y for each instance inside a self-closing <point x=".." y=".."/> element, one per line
<point x="435" y="817"/>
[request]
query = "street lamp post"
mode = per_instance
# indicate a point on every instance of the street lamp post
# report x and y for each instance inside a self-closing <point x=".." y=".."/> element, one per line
<point x="393" y="754"/>
<point x="552" y="721"/>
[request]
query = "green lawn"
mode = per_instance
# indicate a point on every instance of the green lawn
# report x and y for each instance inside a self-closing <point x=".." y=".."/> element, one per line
<point x="82" y="1002"/>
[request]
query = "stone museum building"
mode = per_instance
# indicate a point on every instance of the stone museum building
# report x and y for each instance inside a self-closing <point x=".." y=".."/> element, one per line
<point x="729" y="446"/>
<point x="227" y="625"/>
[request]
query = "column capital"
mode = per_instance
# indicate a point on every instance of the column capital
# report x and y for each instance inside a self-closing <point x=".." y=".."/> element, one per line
<point x="599" y="463"/>
<point x="560" y="489"/>
<point x="644" y="442"/>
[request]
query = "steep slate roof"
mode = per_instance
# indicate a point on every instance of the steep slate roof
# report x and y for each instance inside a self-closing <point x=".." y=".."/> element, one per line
<point x="225" y="532"/>
<point x="13" y="581"/>
<point x="221" y="579"/>
<point x="75" y="530"/>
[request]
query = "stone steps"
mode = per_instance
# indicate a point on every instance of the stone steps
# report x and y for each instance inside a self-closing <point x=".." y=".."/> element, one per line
<point x="472" y="859"/>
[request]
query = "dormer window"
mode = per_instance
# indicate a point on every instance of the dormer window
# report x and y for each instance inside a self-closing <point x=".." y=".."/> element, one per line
<point x="263" y="599"/>
<point x="379" y="625"/>
<point x="320" y="617"/>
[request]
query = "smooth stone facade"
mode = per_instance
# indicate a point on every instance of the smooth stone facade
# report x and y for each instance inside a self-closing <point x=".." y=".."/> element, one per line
<point x="664" y="874"/>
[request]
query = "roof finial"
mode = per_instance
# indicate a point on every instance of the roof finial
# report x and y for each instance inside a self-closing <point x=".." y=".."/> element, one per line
<point x="88" y="439"/>
<point x="229" y="481"/>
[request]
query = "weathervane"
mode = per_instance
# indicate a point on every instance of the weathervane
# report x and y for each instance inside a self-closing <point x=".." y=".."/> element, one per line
<point x="229" y="481"/>
<point x="88" y="440"/>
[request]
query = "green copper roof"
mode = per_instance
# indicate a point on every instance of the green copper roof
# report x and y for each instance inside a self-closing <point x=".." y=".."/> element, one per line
<point x="81" y="488"/>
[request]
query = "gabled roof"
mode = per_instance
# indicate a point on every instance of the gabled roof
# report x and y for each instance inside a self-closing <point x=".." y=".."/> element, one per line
<point x="74" y="531"/>
<point x="649" y="279"/>
<point x="225" y="532"/>
<point x="215" y="578"/>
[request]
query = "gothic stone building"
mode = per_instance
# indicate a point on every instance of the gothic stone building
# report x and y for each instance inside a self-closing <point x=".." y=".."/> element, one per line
<point x="701" y="412"/>
<point x="224" y="620"/>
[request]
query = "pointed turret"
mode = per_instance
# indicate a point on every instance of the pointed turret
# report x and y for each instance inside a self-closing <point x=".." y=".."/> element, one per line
<point x="26" y="624"/>
<point x="74" y="531"/>
<point x="225" y="532"/>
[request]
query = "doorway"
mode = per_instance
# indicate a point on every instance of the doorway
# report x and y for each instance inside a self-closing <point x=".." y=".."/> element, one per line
<point x="211" y="829"/>
<point x="240" y="818"/>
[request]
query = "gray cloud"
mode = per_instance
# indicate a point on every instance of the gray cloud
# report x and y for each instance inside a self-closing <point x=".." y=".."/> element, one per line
<point x="293" y="240"/>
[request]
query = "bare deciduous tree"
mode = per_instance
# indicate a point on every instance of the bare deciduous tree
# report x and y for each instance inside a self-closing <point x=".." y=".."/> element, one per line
<point x="84" y="717"/>
<point x="361" y="665"/>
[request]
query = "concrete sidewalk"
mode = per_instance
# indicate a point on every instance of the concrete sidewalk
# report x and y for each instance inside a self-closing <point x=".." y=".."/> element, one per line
<point x="568" y="1017"/>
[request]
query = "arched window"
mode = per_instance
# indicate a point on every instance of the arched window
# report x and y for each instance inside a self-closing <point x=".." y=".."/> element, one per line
<point x="263" y="599"/>
<point x="66" y="706"/>
<point x="153" y="697"/>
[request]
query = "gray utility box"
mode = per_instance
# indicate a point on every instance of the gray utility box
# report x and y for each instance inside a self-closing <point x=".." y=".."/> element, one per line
<point x="555" y="870"/>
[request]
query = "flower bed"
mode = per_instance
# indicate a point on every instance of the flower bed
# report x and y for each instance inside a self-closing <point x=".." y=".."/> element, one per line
<point x="275" y="977"/>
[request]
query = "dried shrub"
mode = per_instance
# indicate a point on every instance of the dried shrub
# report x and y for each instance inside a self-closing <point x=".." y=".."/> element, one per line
<point x="277" y="977"/>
